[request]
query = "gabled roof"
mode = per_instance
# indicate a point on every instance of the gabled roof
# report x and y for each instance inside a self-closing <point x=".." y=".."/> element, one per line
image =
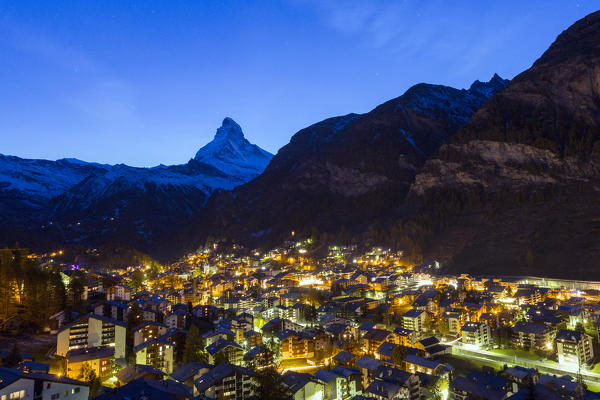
<point x="91" y="353"/>
<point x="117" y="304"/>
<point x="386" y="349"/>
<point x="403" y="332"/>
<point x="344" y="357"/>
<point x="33" y="366"/>
<point x="569" y="336"/>
<point x="413" y="313"/>
<point x="134" y="371"/>
<point x="345" y="372"/>
<point x="221" y="344"/>
<point x="528" y="327"/>
<point x="366" y="326"/>
<point x="95" y="316"/>
<point x="147" y="323"/>
<point x="296" y="380"/>
<point x="377" y="334"/>
<point x="472" y="326"/>
<point x="430" y="341"/>
<point x="216" y="332"/>
<point x="150" y="389"/>
<point x="391" y="374"/>
<point x="10" y="375"/>
<point x="478" y="389"/>
<point x="336" y="328"/>
<point x="384" y="389"/>
<point x="187" y="371"/>
<point x="367" y="362"/>
<point x="519" y="372"/>
<point x="256" y="350"/>
<point x="326" y="375"/>
<point x="150" y="342"/>
<point x="414" y="359"/>
<point x="217" y="374"/>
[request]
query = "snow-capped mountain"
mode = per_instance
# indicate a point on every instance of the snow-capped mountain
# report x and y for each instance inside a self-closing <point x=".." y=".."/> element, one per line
<point x="87" y="203"/>
<point x="232" y="153"/>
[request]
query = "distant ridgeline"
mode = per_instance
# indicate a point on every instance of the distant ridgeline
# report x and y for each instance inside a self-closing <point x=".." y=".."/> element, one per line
<point x="500" y="178"/>
<point x="503" y="178"/>
<point x="112" y="208"/>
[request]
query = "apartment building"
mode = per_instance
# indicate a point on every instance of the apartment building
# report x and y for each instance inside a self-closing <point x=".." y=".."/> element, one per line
<point x="92" y="330"/>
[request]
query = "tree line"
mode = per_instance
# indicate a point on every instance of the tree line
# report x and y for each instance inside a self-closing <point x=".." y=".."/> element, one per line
<point x="29" y="292"/>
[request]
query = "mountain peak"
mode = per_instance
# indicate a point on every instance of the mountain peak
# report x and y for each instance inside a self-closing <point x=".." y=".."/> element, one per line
<point x="232" y="153"/>
<point x="489" y="88"/>
<point x="229" y="130"/>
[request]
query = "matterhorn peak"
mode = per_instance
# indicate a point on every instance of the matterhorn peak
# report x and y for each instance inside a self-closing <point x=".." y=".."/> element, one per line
<point x="229" y="130"/>
<point x="232" y="153"/>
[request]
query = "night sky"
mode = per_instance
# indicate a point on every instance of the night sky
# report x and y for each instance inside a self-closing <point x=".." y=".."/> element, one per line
<point x="148" y="82"/>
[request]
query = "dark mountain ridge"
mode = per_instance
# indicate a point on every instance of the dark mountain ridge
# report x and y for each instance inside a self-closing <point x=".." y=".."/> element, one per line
<point x="517" y="190"/>
<point x="345" y="171"/>
<point x="46" y="204"/>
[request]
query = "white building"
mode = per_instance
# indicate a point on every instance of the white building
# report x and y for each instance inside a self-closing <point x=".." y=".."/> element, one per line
<point x="17" y="385"/>
<point x="476" y="334"/>
<point x="91" y="330"/>
<point x="414" y="320"/>
<point x="574" y="347"/>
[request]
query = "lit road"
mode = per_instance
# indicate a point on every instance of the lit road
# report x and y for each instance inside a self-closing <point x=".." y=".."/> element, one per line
<point x="547" y="367"/>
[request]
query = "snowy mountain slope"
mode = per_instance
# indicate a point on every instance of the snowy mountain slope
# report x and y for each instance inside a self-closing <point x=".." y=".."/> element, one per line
<point x="77" y="198"/>
<point x="232" y="153"/>
<point x="44" y="178"/>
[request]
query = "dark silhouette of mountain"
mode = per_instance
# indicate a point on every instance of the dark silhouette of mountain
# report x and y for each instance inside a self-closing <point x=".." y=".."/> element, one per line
<point x="518" y="191"/>
<point x="344" y="171"/>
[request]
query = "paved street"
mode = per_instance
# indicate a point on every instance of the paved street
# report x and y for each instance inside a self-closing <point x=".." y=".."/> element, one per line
<point x="547" y="367"/>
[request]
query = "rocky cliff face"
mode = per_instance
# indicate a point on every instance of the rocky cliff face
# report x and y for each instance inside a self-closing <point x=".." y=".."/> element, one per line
<point x="534" y="146"/>
<point x="345" y="171"/>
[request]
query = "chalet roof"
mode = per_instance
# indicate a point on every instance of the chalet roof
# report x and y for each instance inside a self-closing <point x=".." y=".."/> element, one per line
<point x="529" y="328"/>
<point x="566" y="335"/>
<point x="413" y="313"/>
<point x="187" y="371"/>
<point x="95" y="316"/>
<point x="377" y="334"/>
<point x="296" y="380"/>
<point x="91" y="353"/>
<point x="10" y="375"/>
<point x="217" y="374"/>
<point x="367" y="362"/>
<point x="344" y="371"/>
<point x="151" y="342"/>
<point x="383" y="389"/>
<point x="221" y="344"/>
<point x="414" y="359"/>
<point x="386" y="349"/>
<point x="478" y="389"/>
<point x="344" y="357"/>
<point x="326" y="375"/>
<point x="150" y="389"/>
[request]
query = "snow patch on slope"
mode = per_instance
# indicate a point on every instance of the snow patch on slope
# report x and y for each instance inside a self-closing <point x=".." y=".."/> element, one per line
<point x="233" y="154"/>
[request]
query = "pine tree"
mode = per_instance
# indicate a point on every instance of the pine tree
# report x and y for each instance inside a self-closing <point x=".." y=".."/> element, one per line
<point x="268" y="385"/>
<point x="89" y="376"/>
<point x="399" y="354"/>
<point x="194" y="347"/>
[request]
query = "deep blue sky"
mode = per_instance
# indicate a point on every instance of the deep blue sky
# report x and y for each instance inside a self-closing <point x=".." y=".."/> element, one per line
<point x="148" y="82"/>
